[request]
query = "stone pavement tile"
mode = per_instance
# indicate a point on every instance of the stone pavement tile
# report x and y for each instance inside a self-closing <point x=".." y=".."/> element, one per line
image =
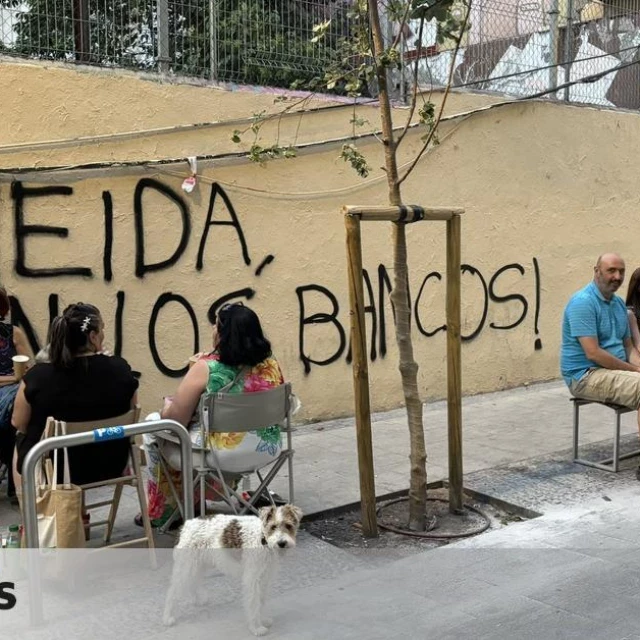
<point x="604" y="599"/>
<point x="329" y="439"/>
<point x="505" y="567"/>
<point x="390" y="460"/>
<point x="622" y="530"/>
<point x="390" y="480"/>
<point x="594" y="543"/>
<point x="627" y="558"/>
<point x="501" y="540"/>
<point x="519" y="618"/>
<point x="480" y="456"/>
<point x="503" y="451"/>
<point x="435" y="434"/>
<point x="129" y="595"/>
<point x="425" y="572"/>
<point x="301" y="626"/>
<point x="375" y="604"/>
<point x="540" y="440"/>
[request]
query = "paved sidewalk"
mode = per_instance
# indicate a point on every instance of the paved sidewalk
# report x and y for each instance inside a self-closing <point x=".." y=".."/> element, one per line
<point x="574" y="572"/>
<point x="501" y="427"/>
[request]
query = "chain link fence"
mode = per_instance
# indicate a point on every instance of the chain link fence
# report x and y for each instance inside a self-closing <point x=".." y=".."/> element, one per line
<point x="514" y="47"/>
<point x="581" y="51"/>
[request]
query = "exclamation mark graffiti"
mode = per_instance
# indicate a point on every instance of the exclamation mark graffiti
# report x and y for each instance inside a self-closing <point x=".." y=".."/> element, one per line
<point x="536" y="271"/>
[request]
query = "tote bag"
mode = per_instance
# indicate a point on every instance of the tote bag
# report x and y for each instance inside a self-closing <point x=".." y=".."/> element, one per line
<point x="59" y="506"/>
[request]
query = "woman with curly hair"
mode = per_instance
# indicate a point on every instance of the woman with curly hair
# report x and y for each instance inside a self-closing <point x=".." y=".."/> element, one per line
<point x="241" y="362"/>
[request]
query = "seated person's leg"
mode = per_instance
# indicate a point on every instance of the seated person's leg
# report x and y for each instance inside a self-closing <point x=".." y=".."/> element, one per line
<point x="17" y="478"/>
<point x="609" y="385"/>
<point x="160" y="501"/>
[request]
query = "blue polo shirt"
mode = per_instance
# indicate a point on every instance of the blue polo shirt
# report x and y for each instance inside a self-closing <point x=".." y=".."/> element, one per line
<point x="589" y="313"/>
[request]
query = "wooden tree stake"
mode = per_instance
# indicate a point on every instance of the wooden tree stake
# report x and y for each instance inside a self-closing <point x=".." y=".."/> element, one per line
<point x="454" y="369"/>
<point x="403" y="214"/>
<point x="361" y="377"/>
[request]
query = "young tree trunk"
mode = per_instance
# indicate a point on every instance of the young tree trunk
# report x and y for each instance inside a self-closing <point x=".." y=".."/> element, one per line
<point x="400" y="296"/>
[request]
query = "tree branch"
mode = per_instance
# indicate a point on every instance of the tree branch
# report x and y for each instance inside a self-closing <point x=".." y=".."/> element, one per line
<point x="403" y="23"/>
<point x="386" y="119"/>
<point x="414" y="96"/>
<point x="431" y="133"/>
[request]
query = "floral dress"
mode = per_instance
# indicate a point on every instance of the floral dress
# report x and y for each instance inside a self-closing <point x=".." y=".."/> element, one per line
<point x="236" y="451"/>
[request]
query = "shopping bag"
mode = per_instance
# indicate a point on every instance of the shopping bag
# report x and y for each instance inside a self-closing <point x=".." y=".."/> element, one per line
<point x="59" y="506"/>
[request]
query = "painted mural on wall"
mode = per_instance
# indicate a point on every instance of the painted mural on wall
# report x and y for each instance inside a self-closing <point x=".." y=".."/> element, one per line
<point x="504" y="295"/>
<point x="519" y="65"/>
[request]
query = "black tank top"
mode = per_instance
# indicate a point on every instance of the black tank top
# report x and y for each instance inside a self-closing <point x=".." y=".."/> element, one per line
<point x="94" y="388"/>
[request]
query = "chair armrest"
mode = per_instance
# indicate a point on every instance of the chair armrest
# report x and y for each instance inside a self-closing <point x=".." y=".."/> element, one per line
<point x="169" y="437"/>
<point x="165" y="435"/>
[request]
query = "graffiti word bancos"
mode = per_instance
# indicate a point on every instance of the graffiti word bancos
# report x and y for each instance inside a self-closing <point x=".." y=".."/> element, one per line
<point x="319" y="306"/>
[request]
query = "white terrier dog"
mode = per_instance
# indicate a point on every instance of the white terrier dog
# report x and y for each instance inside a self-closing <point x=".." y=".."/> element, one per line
<point x="245" y="547"/>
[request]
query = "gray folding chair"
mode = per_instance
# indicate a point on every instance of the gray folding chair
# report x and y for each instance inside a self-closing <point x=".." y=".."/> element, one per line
<point x="235" y="413"/>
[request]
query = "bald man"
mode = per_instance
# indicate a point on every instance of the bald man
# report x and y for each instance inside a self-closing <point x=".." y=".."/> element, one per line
<point x="598" y="359"/>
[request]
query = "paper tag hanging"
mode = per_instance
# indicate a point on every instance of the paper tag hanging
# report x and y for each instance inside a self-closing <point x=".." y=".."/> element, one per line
<point x="189" y="183"/>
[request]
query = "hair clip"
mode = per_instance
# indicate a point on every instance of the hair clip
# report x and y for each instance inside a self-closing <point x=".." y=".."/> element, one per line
<point x="85" y="324"/>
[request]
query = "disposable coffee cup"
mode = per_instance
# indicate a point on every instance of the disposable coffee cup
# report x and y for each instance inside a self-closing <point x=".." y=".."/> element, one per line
<point x="20" y="366"/>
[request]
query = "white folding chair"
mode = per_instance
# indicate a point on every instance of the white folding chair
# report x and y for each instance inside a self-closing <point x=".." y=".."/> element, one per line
<point x="236" y="413"/>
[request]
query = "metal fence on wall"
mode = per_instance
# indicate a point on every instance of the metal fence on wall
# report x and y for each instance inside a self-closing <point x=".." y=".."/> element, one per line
<point x="514" y="47"/>
<point x="247" y="41"/>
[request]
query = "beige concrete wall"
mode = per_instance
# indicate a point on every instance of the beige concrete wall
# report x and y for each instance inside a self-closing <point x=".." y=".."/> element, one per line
<point x="546" y="189"/>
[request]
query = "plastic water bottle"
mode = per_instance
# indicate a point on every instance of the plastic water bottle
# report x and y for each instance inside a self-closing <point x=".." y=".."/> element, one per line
<point x="11" y="560"/>
<point x="13" y="539"/>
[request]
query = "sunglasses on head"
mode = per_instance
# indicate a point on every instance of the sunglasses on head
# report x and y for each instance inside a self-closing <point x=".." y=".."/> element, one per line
<point x="225" y="307"/>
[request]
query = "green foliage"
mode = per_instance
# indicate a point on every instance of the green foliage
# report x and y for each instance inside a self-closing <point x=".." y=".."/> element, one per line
<point x="449" y="21"/>
<point x="353" y="67"/>
<point x="265" y="42"/>
<point x="396" y="10"/>
<point x="356" y="121"/>
<point x="261" y="154"/>
<point x="427" y="114"/>
<point x="351" y="154"/>
<point x="120" y="32"/>
<point x="353" y="70"/>
<point x="269" y="43"/>
<point x="430" y="9"/>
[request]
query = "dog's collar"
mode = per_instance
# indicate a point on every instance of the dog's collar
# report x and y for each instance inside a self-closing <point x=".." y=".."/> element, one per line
<point x="263" y="541"/>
